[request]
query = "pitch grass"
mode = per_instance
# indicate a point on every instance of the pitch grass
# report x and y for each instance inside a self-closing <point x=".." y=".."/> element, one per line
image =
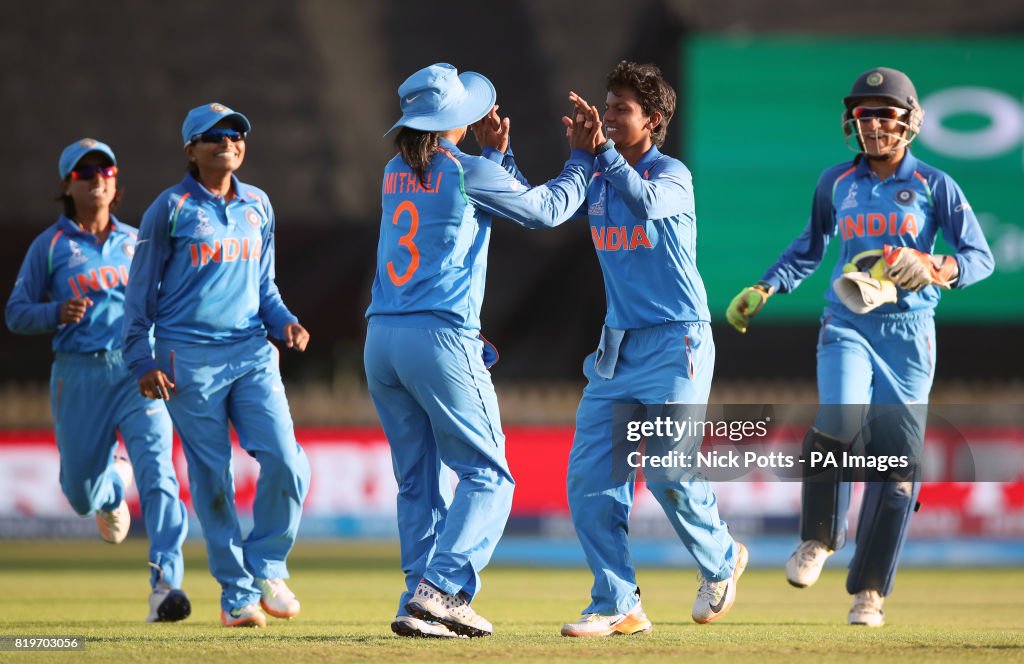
<point x="349" y="591"/>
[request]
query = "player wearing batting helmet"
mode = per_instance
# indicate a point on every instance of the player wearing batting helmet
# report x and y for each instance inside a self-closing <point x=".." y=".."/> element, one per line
<point x="203" y="283"/>
<point x="877" y="340"/>
<point x="426" y="363"/>
<point x="72" y="283"/>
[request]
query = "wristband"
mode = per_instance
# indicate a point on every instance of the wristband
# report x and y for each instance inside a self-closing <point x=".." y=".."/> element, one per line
<point x="604" y="147"/>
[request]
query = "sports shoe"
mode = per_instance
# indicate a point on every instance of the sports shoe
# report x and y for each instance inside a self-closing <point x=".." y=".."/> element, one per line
<point x="620" y="624"/>
<point x="114" y="525"/>
<point x="249" y="615"/>
<point x="804" y="567"/>
<point x="168" y="604"/>
<point x="277" y="599"/>
<point x="867" y="609"/>
<point x="452" y="611"/>
<point x="715" y="598"/>
<point x="414" y="627"/>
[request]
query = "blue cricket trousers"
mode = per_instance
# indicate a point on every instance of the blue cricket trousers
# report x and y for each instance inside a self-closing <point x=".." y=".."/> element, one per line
<point x="438" y="409"/>
<point x="238" y="383"/>
<point x="879" y="362"/>
<point x="665" y="364"/>
<point x="93" y="396"/>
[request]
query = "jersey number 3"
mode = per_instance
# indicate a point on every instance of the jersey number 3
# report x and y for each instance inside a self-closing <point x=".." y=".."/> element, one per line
<point x="406" y="241"/>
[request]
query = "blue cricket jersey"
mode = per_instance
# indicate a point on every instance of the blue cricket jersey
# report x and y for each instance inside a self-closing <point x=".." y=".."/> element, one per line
<point x="203" y="272"/>
<point x="644" y="228"/>
<point x="432" y="253"/>
<point x="65" y="261"/>
<point x="907" y="209"/>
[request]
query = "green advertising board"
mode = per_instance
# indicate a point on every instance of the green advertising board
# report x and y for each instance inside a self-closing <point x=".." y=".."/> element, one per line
<point x="761" y="120"/>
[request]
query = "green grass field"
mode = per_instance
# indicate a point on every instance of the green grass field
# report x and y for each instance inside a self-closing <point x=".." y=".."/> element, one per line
<point x="348" y="594"/>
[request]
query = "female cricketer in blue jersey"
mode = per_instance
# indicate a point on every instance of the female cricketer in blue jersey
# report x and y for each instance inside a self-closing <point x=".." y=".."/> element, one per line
<point x="72" y="282"/>
<point x="426" y="363"/>
<point x="656" y="348"/>
<point x="203" y="283"/>
<point x="877" y="340"/>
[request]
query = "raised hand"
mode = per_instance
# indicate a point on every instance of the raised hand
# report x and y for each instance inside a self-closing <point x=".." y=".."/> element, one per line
<point x="584" y="129"/>
<point x="73" y="309"/>
<point x="492" y="130"/>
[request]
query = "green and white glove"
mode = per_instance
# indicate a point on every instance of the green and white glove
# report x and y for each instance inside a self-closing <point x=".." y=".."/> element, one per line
<point x="746" y="305"/>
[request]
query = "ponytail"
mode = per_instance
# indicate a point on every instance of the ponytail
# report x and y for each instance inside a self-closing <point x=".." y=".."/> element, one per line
<point x="418" y="149"/>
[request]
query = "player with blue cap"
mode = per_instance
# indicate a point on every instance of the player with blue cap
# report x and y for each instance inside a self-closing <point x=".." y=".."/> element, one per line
<point x="72" y="284"/>
<point x="203" y="118"/>
<point x="876" y="348"/>
<point x="426" y="362"/>
<point x="202" y="283"/>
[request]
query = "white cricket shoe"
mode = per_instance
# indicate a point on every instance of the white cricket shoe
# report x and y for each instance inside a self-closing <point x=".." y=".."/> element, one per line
<point x="414" y="627"/>
<point x="249" y="615"/>
<point x="804" y="567"/>
<point x="452" y="611"/>
<point x="277" y="599"/>
<point x="114" y="525"/>
<point x="168" y="604"/>
<point x="867" y="609"/>
<point x="619" y="624"/>
<point x="715" y="598"/>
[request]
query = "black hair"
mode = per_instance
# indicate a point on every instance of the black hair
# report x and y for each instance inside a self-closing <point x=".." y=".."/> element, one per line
<point x="418" y="149"/>
<point x="652" y="90"/>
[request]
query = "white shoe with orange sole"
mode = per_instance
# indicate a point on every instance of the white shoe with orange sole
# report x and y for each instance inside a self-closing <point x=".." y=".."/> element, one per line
<point x="277" y="599"/>
<point x="249" y="615"/>
<point x="619" y="624"/>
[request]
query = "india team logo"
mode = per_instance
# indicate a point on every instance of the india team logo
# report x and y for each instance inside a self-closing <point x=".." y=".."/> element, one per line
<point x="253" y="218"/>
<point x="218" y="108"/>
<point x="77" y="257"/>
<point x="851" y="198"/>
<point x="904" y="196"/>
<point x="203" y="228"/>
<point x="87" y="142"/>
<point x="129" y="249"/>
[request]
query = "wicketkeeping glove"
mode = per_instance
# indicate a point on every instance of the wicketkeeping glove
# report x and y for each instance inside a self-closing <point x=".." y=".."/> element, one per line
<point x="746" y="305"/>
<point x="912" y="270"/>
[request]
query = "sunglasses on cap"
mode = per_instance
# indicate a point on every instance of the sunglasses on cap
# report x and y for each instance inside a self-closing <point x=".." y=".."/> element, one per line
<point x="90" y="171"/>
<point x="218" y="135"/>
<point x="878" y="112"/>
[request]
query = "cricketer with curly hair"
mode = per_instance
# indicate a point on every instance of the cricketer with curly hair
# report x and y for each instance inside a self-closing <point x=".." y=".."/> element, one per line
<point x="655" y="349"/>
